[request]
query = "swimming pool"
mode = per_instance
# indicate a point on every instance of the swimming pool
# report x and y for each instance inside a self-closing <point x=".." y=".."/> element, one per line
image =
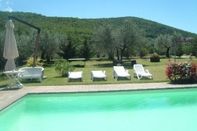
<point x="149" y="110"/>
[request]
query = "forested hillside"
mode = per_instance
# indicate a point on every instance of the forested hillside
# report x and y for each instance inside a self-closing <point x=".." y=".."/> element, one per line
<point x="85" y="27"/>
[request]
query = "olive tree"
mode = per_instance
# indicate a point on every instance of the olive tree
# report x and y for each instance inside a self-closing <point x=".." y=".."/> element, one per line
<point x="26" y="45"/>
<point x="164" y="42"/>
<point x="127" y="38"/>
<point x="49" y="44"/>
<point x="103" y="40"/>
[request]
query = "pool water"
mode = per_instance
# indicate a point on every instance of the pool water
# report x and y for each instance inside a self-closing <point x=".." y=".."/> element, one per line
<point x="150" y="110"/>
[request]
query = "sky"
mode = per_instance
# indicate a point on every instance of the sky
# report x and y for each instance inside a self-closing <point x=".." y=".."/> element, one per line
<point x="181" y="14"/>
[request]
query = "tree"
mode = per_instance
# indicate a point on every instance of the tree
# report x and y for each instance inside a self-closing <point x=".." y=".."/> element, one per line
<point x="26" y="45"/>
<point x="49" y="43"/>
<point x="179" y="46"/>
<point x="103" y="40"/>
<point x="126" y="38"/>
<point x="164" y="42"/>
<point x="86" y="50"/>
<point x="142" y="49"/>
<point x="179" y="50"/>
<point x="67" y="49"/>
<point x="167" y="42"/>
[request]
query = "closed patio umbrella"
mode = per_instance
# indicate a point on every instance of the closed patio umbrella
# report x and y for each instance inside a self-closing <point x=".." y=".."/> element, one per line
<point x="10" y="47"/>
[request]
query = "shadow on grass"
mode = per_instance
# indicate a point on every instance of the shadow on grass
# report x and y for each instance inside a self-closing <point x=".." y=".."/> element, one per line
<point x="60" y="77"/>
<point x="126" y="65"/>
<point x="75" y="80"/>
<point x="99" y="80"/>
<point x="79" y="66"/>
<point x="123" y="79"/>
<point x="9" y="89"/>
<point x="3" y="77"/>
<point x="48" y="64"/>
<point x="26" y="81"/>
<point x="3" y="86"/>
<point x="103" y="65"/>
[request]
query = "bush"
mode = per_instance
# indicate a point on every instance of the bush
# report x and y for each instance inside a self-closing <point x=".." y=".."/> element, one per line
<point x="30" y="62"/>
<point x="63" y="67"/>
<point x="154" y="57"/>
<point x="180" y="72"/>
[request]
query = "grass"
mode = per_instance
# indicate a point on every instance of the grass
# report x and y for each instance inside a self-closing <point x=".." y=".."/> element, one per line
<point x="157" y="69"/>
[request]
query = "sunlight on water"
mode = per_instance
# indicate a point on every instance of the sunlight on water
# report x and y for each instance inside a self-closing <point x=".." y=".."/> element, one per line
<point x="161" y="110"/>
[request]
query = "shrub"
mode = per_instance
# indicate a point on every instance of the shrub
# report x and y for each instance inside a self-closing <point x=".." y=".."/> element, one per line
<point x="29" y="62"/>
<point x="180" y="72"/>
<point x="154" y="57"/>
<point x="63" y="67"/>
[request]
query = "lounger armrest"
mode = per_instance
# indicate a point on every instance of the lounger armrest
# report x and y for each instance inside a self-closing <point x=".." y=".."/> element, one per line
<point x="104" y="72"/>
<point x="147" y="71"/>
<point x="127" y="71"/>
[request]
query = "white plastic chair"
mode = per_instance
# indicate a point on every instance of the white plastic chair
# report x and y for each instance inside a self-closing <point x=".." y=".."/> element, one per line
<point x="75" y="75"/>
<point x="98" y="74"/>
<point x="119" y="71"/>
<point x="139" y="72"/>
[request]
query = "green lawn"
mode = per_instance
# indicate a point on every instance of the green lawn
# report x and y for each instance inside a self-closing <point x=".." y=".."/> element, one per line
<point x="157" y="69"/>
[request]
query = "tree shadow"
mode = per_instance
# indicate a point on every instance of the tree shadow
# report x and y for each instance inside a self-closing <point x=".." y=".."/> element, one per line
<point x="125" y="64"/>
<point x="3" y="86"/>
<point x="78" y="66"/>
<point x="9" y="89"/>
<point x="60" y="76"/>
<point x="99" y="65"/>
<point x="48" y="64"/>
<point x="30" y="81"/>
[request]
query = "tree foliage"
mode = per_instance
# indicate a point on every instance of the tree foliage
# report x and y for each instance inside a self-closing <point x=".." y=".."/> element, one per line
<point x="86" y="50"/>
<point x="103" y="40"/>
<point x="67" y="49"/>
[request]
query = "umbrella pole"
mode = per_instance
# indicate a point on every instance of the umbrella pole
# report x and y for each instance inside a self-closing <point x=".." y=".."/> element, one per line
<point x="36" y="49"/>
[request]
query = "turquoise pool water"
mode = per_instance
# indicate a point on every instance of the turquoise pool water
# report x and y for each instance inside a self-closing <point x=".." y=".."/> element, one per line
<point x="150" y="110"/>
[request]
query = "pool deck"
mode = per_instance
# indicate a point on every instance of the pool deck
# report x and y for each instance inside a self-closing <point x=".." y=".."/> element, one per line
<point x="9" y="96"/>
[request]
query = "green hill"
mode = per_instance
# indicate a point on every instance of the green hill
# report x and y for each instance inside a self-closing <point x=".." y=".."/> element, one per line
<point x="83" y="28"/>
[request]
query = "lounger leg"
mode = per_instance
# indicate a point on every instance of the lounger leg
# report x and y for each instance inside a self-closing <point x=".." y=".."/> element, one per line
<point x="40" y="80"/>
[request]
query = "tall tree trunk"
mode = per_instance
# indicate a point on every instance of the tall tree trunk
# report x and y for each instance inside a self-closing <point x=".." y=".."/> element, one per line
<point x="167" y="52"/>
<point x="121" y="53"/>
<point x="48" y="59"/>
<point x="117" y="51"/>
<point x="111" y="55"/>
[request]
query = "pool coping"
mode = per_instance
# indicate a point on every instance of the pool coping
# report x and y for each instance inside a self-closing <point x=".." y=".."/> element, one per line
<point x="8" y="96"/>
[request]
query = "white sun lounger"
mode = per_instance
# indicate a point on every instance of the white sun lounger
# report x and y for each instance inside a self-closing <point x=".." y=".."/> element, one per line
<point x="98" y="74"/>
<point x="119" y="71"/>
<point x="75" y="75"/>
<point x="139" y="72"/>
